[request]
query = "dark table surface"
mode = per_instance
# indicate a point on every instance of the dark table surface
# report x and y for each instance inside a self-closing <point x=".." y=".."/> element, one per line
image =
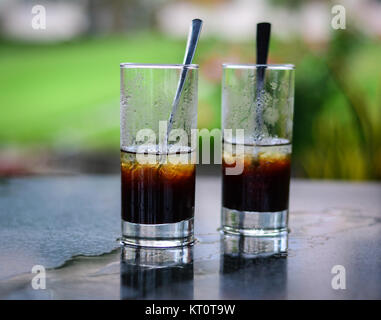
<point x="70" y="226"/>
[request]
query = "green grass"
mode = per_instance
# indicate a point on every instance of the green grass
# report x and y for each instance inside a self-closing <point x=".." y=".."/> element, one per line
<point x="69" y="93"/>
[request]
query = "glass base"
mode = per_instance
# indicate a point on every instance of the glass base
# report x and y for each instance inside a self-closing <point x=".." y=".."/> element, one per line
<point x="252" y="223"/>
<point x="251" y="247"/>
<point x="157" y="257"/>
<point x="166" y="235"/>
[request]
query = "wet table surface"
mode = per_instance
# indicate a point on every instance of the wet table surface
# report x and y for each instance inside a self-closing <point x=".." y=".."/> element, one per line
<point x="70" y="226"/>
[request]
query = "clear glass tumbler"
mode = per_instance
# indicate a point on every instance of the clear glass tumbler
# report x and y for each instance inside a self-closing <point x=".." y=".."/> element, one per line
<point x="257" y="120"/>
<point x="157" y="158"/>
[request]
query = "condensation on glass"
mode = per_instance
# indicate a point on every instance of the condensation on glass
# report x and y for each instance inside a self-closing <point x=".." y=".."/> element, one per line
<point x="257" y="108"/>
<point x="157" y="195"/>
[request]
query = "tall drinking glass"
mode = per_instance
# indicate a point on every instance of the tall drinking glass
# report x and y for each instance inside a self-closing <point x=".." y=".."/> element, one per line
<point x="257" y="118"/>
<point x="157" y="166"/>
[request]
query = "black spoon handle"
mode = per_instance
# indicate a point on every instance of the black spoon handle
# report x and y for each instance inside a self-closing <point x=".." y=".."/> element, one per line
<point x="263" y="41"/>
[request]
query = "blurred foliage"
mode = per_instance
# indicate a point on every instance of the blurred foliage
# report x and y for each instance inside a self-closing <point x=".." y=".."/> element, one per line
<point x="288" y="3"/>
<point x="338" y="131"/>
<point x="66" y="95"/>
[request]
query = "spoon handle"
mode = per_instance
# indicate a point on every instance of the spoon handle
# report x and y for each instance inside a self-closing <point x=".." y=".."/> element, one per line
<point x="263" y="41"/>
<point x="194" y="34"/>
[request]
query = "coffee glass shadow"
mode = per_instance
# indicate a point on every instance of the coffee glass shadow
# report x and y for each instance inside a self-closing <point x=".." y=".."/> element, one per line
<point x="152" y="273"/>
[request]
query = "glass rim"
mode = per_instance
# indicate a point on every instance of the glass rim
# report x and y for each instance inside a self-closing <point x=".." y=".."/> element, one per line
<point x="287" y="66"/>
<point x="127" y="65"/>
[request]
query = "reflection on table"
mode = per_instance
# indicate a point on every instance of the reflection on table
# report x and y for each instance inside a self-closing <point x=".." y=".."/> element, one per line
<point x="253" y="267"/>
<point x="156" y="273"/>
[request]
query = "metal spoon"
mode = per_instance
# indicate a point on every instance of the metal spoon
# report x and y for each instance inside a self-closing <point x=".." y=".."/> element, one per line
<point x="193" y="35"/>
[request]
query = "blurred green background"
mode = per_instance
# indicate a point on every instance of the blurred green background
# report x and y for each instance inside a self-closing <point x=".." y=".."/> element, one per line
<point x="59" y="100"/>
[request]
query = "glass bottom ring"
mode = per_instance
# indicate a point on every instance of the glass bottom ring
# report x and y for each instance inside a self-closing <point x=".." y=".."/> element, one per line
<point x="252" y="223"/>
<point x="166" y="235"/>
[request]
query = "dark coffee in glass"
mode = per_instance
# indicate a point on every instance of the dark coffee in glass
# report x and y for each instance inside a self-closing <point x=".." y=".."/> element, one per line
<point x="156" y="193"/>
